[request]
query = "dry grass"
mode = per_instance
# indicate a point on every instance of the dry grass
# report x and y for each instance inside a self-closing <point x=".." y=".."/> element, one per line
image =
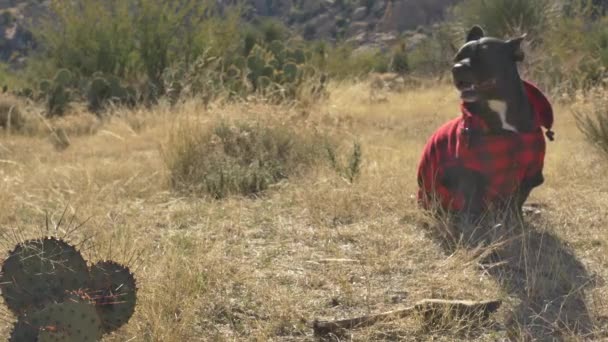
<point x="243" y="269"/>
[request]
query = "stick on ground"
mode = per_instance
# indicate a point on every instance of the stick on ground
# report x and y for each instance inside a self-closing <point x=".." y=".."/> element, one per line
<point x="431" y="309"/>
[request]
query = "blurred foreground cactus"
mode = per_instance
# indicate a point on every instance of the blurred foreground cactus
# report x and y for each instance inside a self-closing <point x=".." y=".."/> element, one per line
<point x="47" y="284"/>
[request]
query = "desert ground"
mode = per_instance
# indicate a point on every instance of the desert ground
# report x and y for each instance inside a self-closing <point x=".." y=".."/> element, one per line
<point x="315" y="245"/>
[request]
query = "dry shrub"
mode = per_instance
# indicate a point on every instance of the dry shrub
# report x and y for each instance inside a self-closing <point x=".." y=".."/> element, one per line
<point x="238" y="157"/>
<point x="17" y="116"/>
<point x="11" y="116"/>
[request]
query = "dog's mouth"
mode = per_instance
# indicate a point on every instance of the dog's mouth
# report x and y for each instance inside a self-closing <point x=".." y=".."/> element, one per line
<point x="469" y="91"/>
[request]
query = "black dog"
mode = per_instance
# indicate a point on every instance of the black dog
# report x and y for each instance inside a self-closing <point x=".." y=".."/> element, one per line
<point x="491" y="157"/>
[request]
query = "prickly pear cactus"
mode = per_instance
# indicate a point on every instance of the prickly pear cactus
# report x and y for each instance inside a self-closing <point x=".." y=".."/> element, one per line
<point x="255" y="64"/>
<point x="25" y="92"/>
<point x="46" y="283"/>
<point x="233" y="72"/>
<point x="290" y="72"/>
<point x="264" y="82"/>
<point x="58" y="99"/>
<point x="276" y="47"/>
<point x="97" y="93"/>
<point x="41" y="270"/>
<point x="240" y="62"/>
<point x="44" y="86"/>
<point x="268" y="71"/>
<point x="63" y="78"/>
<point x="101" y="91"/>
<point x="73" y="320"/>
<point x="56" y="93"/>
<point x="298" y="56"/>
<point x="114" y="289"/>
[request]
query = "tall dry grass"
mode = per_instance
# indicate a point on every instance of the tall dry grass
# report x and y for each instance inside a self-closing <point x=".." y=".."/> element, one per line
<point x="315" y="245"/>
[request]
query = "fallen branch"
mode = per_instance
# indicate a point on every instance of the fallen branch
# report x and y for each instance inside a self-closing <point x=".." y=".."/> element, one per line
<point x="431" y="309"/>
<point x="334" y="260"/>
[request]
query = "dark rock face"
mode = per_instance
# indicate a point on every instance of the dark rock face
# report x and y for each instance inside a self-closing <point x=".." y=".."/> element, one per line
<point x="15" y="39"/>
<point x="402" y="15"/>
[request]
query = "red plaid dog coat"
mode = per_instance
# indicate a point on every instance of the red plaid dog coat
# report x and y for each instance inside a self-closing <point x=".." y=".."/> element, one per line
<point x="505" y="160"/>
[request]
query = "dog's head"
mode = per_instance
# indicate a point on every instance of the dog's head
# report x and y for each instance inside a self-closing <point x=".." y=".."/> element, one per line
<point x="485" y="65"/>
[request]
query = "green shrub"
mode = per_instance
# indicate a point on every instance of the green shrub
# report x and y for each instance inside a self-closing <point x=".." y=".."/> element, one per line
<point x="343" y="61"/>
<point x="88" y="36"/>
<point x="566" y="45"/>
<point x="274" y="29"/>
<point x="237" y="158"/>
<point x="434" y="55"/>
<point x="130" y="38"/>
<point x="399" y="60"/>
<point x="501" y="18"/>
<point x="11" y="79"/>
<point x="574" y="52"/>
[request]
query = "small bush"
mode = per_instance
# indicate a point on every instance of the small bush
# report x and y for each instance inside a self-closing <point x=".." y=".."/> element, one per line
<point x="595" y="124"/>
<point x="399" y="61"/>
<point x="236" y="158"/>
<point x="352" y="169"/>
<point x="11" y="117"/>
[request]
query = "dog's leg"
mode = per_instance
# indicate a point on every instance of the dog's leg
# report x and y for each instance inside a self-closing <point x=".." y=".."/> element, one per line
<point x="526" y="188"/>
<point x="472" y="186"/>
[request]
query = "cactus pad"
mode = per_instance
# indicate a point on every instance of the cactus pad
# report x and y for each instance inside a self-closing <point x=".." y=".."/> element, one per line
<point x="275" y="63"/>
<point x="44" y="86"/>
<point x="276" y="47"/>
<point x="264" y="82"/>
<point x="233" y="72"/>
<point x="25" y="92"/>
<point x="41" y="270"/>
<point x="73" y="320"/>
<point x="114" y="290"/>
<point x="99" y="91"/>
<point x="63" y="77"/>
<point x="255" y="64"/>
<point x="239" y="62"/>
<point x="290" y="71"/>
<point x="268" y="71"/>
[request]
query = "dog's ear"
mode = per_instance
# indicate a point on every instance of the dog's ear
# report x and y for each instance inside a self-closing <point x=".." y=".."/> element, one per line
<point x="515" y="48"/>
<point x="475" y="33"/>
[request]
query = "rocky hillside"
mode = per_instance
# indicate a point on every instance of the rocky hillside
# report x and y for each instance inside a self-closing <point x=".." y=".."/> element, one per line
<point x="364" y="22"/>
<point x="15" y="39"/>
<point x="344" y="18"/>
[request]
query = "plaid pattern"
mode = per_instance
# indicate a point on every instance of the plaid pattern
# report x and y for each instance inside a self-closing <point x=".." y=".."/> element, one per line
<point x="505" y="160"/>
